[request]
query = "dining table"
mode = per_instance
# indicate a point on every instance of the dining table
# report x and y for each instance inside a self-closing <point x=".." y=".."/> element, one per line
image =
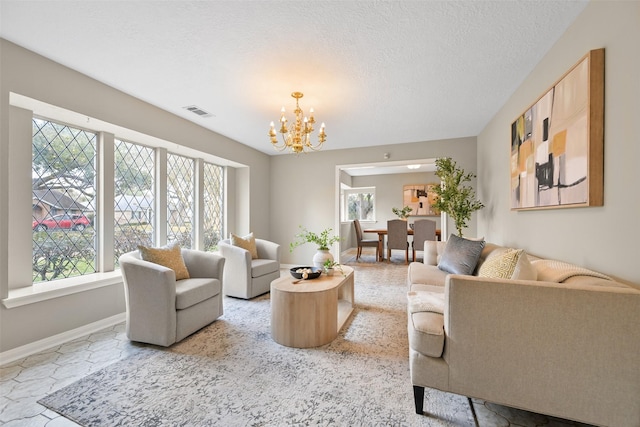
<point x="381" y="232"/>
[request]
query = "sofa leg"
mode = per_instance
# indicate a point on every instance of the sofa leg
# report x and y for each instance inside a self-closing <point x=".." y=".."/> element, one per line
<point x="473" y="412"/>
<point x="418" y="398"/>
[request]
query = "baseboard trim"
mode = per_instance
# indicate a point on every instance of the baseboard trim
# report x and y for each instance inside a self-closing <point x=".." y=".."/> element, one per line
<point x="26" y="350"/>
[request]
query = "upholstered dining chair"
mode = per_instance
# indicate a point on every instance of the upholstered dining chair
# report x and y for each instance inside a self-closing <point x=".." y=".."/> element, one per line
<point x="397" y="238"/>
<point x="245" y="275"/>
<point x="423" y="229"/>
<point x="373" y="243"/>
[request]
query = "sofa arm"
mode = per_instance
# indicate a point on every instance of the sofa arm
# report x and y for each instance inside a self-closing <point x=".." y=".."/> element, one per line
<point x="203" y="264"/>
<point x="567" y="349"/>
<point x="268" y="250"/>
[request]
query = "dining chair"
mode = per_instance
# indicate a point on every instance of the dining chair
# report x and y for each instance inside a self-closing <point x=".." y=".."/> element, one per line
<point x="364" y="242"/>
<point x="397" y="238"/>
<point x="424" y="229"/>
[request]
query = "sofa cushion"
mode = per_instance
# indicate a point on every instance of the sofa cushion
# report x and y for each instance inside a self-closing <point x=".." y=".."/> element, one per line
<point x="247" y="242"/>
<point x="460" y="255"/>
<point x="508" y="264"/>
<point x="168" y="256"/>
<point x="192" y="291"/>
<point x="426" y="333"/>
<point x="426" y="274"/>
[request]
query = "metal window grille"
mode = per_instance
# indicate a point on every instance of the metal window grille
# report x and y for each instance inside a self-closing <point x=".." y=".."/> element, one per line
<point x="134" y="197"/>
<point x="213" y="205"/>
<point x="180" y="200"/>
<point x="64" y="191"/>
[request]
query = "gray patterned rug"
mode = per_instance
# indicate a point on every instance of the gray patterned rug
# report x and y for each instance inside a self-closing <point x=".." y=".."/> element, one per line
<point x="232" y="373"/>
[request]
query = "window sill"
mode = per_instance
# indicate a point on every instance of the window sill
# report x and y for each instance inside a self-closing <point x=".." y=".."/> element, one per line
<point x="59" y="288"/>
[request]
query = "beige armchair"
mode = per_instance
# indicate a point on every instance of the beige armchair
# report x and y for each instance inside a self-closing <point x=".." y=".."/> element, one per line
<point x="162" y="310"/>
<point x="245" y="277"/>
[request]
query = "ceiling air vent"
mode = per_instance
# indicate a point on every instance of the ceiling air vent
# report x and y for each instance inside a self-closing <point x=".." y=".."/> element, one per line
<point x="199" y="111"/>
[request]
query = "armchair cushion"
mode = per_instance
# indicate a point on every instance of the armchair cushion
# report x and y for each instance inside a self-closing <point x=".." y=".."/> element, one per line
<point x="247" y="242"/>
<point x="190" y="292"/>
<point x="260" y="267"/>
<point x="168" y="256"/>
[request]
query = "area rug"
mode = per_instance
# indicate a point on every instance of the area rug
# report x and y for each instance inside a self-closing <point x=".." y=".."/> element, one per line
<point x="232" y="373"/>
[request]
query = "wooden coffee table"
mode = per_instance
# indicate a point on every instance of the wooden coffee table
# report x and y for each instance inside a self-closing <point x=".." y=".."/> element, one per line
<point x="312" y="312"/>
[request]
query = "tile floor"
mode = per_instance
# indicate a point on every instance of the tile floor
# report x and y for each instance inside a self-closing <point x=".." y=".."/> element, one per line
<point x="27" y="380"/>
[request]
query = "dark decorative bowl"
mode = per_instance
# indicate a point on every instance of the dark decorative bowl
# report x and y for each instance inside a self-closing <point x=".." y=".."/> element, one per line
<point x="314" y="274"/>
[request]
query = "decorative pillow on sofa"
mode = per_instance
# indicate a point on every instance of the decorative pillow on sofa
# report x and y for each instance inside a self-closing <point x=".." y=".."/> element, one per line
<point x="461" y="255"/>
<point x="247" y="242"/>
<point x="168" y="256"/>
<point x="510" y="264"/>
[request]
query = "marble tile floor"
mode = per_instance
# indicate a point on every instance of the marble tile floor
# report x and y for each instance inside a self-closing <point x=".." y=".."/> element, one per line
<point x="27" y="380"/>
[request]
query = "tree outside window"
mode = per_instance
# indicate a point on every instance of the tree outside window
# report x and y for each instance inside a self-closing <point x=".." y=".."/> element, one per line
<point x="359" y="203"/>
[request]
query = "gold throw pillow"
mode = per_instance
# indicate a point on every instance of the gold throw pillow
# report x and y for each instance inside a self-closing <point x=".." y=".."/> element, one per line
<point x="247" y="242"/>
<point x="170" y="257"/>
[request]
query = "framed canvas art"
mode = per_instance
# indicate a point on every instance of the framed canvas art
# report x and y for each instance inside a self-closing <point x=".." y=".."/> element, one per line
<point x="557" y="145"/>
<point x="420" y="197"/>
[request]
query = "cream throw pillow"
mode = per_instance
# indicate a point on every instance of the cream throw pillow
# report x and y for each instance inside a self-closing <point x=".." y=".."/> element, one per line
<point x="247" y="242"/>
<point x="510" y="264"/>
<point x="168" y="256"/>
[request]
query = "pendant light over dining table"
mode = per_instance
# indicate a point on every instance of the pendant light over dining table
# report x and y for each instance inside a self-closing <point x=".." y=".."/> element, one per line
<point x="297" y="136"/>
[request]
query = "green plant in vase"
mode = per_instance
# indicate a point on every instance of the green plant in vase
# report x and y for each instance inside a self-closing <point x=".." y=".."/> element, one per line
<point x="330" y="265"/>
<point x="324" y="240"/>
<point x="402" y="213"/>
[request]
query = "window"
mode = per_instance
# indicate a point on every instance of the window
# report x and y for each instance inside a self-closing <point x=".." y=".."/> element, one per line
<point x="68" y="239"/>
<point x="134" y="197"/>
<point x="64" y="191"/>
<point x="359" y="203"/>
<point x="180" y="200"/>
<point x="213" y="205"/>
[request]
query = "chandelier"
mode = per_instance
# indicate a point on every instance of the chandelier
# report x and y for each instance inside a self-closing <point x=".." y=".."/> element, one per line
<point x="297" y="136"/>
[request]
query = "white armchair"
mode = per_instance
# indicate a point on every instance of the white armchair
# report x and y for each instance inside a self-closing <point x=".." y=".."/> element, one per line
<point x="162" y="310"/>
<point x="245" y="277"/>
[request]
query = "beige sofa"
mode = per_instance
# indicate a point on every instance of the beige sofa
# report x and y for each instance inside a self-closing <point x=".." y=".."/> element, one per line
<point x="566" y="347"/>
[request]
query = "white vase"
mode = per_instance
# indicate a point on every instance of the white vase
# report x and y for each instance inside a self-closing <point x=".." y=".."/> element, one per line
<point x="320" y="257"/>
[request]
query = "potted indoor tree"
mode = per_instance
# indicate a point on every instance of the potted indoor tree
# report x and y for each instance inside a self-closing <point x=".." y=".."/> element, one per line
<point x="323" y="240"/>
<point x="454" y="197"/>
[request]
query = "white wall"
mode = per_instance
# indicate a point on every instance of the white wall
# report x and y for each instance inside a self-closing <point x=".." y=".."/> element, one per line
<point x="30" y="75"/>
<point x="602" y="238"/>
<point x="303" y="187"/>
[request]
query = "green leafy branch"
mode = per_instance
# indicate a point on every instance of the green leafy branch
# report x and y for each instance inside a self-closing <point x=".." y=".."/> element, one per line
<point x="455" y="198"/>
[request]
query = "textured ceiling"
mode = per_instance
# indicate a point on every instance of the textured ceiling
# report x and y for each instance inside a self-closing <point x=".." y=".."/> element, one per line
<point x="377" y="72"/>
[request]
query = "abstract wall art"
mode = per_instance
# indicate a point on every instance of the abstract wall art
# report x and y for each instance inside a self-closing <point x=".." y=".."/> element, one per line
<point x="557" y="145"/>
<point x="420" y="197"/>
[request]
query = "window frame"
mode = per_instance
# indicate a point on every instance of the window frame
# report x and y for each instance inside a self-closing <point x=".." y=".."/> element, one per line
<point x="108" y="273"/>
<point x="344" y="206"/>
